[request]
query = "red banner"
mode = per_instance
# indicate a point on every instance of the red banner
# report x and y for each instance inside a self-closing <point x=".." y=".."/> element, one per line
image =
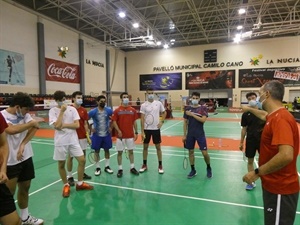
<point x="62" y="71"/>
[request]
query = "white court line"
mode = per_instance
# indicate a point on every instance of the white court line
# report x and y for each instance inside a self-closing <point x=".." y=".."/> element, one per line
<point x="171" y="126"/>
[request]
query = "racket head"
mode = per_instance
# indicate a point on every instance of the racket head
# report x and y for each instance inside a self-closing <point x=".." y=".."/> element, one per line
<point x="185" y="163"/>
<point x="91" y="157"/>
<point x="149" y="119"/>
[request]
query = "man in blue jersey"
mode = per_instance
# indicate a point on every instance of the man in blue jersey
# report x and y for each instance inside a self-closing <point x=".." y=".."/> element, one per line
<point x="194" y="118"/>
<point x="101" y="137"/>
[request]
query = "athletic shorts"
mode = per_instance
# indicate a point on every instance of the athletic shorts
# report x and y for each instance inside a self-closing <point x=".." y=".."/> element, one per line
<point x="155" y="134"/>
<point x="24" y="170"/>
<point x="125" y="143"/>
<point x="83" y="143"/>
<point x="251" y="147"/>
<point x="61" y="152"/>
<point x="7" y="203"/>
<point x="101" y="142"/>
<point x="190" y="143"/>
<point x="279" y="209"/>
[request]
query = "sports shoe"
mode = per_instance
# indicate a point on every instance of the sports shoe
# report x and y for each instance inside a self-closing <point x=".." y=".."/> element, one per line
<point x="134" y="171"/>
<point x="192" y="174"/>
<point x="250" y="187"/>
<point x="97" y="171"/>
<point x="209" y="173"/>
<point x="32" y="221"/>
<point x="144" y="168"/>
<point x="86" y="177"/>
<point x="108" y="170"/>
<point x="120" y="173"/>
<point x="84" y="186"/>
<point x="66" y="191"/>
<point x="160" y="170"/>
<point x="71" y="181"/>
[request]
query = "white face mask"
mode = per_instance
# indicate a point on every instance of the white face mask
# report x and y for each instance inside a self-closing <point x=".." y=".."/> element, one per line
<point x="79" y="101"/>
<point x="60" y="103"/>
<point x="19" y="114"/>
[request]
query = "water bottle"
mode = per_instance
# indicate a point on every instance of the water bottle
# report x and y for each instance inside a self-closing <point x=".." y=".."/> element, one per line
<point x="220" y="142"/>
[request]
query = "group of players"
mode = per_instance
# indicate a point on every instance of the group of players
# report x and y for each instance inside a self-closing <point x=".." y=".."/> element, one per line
<point x="72" y="136"/>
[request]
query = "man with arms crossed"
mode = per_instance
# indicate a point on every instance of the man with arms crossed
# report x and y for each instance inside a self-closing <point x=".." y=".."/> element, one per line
<point x="20" y="169"/>
<point x="151" y="110"/>
<point x="279" y="148"/>
<point x="8" y="213"/>
<point x="65" y="120"/>
<point x="82" y="133"/>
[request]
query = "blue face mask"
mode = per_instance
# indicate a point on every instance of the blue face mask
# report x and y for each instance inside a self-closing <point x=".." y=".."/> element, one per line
<point x="195" y="101"/>
<point x="60" y="103"/>
<point x="125" y="101"/>
<point x="260" y="103"/>
<point x="19" y="114"/>
<point x="253" y="103"/>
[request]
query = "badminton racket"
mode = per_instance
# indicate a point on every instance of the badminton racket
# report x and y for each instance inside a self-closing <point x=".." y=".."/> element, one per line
<point x="124" y="148"/>
<point x="185" y="159"/>
<point x="92" y="156"/>
<point x="149" y="120"/>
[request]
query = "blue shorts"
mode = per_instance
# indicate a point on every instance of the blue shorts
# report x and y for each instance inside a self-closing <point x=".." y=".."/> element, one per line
<point x="190" y="143"/>
<point x="101" y="142"/>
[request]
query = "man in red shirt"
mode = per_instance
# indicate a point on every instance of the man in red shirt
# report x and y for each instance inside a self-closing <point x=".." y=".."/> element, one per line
<point x="124" y="121"/>
<point x="82" y="133"/>
<point x="8" y="213"/>
<point x="279" y="148"/>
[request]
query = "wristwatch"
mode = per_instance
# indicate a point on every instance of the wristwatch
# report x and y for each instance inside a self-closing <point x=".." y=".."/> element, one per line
<point x="256" y="171"/>
<point x="136" y="133"/>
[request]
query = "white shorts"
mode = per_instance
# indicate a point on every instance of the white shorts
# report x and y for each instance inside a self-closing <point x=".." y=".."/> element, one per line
<point x="126" y="143"/>
<point x="83" y="143"/>
<point x="61" y="152"/>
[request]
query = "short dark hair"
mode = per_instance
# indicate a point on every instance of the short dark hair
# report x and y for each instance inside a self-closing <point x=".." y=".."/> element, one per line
<point x="21" y="99"/>
<point x="100" y="97"/>
<point x="250" y="94"/>
<point x="76" y="93"/>
<point x="59" y="95"/>
<point x="196" y="93"/>
<point x="124" y="93"/>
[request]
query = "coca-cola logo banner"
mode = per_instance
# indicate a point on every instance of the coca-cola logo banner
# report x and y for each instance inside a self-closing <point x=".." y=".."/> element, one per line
<point x="62" y="71"/>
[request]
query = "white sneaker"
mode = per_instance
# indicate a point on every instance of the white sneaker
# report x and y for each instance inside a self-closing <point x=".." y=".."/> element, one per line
<point x="143" y="169"/>
<point x="160" y="170"/>
<point x="32" y="221"/>
<point x="108" y="170"/>
<point x="97" y="171"/>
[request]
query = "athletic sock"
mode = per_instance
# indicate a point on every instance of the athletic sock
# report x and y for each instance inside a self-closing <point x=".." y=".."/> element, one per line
<point x="208" y="166"/>
<point x="145" y="162"/>
<point x="160" y="163"/>
<point x="24" y="214"/>
<point x="193" y="167"/>
<point x="106" y="162"/>
<point x="69" y="174"/>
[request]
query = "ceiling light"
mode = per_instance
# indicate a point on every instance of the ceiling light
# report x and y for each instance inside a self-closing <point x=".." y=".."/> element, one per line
<point x="237" y="38"/>
<point x="172" y="26"/>
<point x="166" y="46"/>
<point x="135" y="25"/>
<point x="172" y="40"/>
<point x="242" y="11"/>
<point x="150" y="37"/>
<point x="239" y="27"/>
<point x="122" y="14"/>
<point x="158" y="43"/>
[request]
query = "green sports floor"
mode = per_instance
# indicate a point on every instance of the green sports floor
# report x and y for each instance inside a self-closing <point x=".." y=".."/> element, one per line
<point x="151" y="198"/>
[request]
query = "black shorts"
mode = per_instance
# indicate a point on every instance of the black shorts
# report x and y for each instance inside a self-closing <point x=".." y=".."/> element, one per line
<point x="7" y="203"/>
<point x="24" y="171"/>
<point x="279" y="209"/>
<point x="156" y="138"/>
<point x="252" y="145"/>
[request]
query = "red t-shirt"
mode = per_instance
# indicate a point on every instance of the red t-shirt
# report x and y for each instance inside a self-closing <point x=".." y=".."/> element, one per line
<point x="125" y="117"/>
<point x="3" y="124"/>
<point x="280" y="129"/>
<point x="81" y="133"/>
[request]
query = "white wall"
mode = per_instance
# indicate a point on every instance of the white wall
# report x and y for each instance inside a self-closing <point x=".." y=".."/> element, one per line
<point x="142" y="62"/>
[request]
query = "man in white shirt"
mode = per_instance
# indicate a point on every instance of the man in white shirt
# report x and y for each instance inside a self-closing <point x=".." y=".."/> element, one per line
<point x="151" y="123"/>
<point x="65" y="120"/>
<point x="20" y="170"/>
